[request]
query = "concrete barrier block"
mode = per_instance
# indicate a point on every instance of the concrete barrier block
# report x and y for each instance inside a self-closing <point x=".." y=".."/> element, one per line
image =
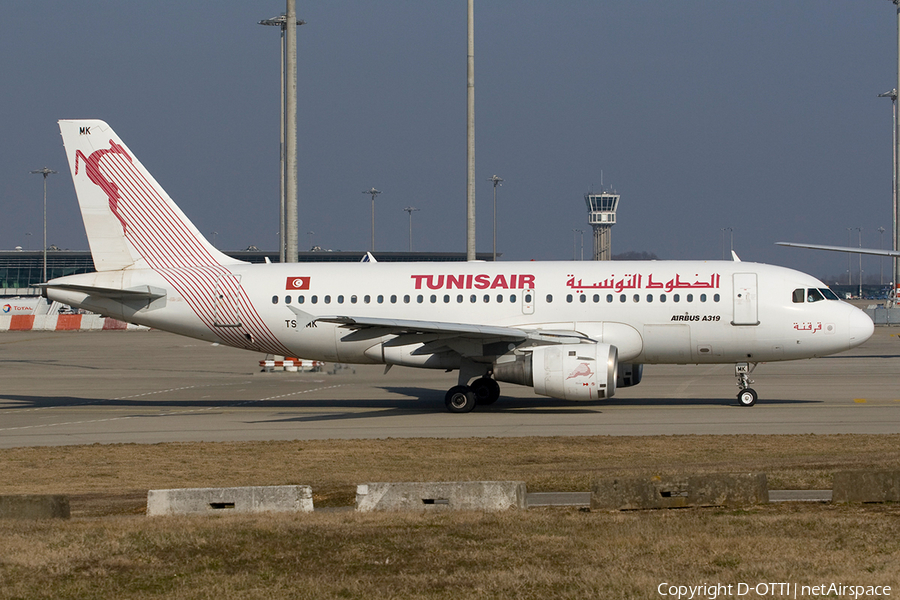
<point x="640" y="493"/>
<point x="281" y="498"/>
<point x="44" y="323"/>
<point x="34" y="507"/>
<point x="726" y="489"/>
<point x="866" y="486"/>
<point x="430" y="496"/>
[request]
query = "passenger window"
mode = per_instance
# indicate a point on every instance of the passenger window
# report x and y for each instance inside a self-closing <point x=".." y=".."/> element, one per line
<point x="568" y="297"/>
<point x="380" y="299"/>
<point x="702" y="297"/>
<point x="274" y="299"/>
<point x="690" y="298"/>
<point x="649" y="297"/>
<point x="622" y="298"/>
<point x="433" y="298"/>
<point x="637" y="298"/>
<point x="609" y="297"/>
<point x="814" y="295"/>
<point x="583" y="298"/>
<point x="300" y="299"/>
<point x="406" y="299"/>
<point x="797" y="296"/>
<point x="528" y="298"/>
<point x="340" y="299"/>
<point x="459" y="299"/>
<point x="662" y="297"/>
<point x="314" y="299"/>
<point x="676" y="297"/>
<point x="487" y="298"/>
<point x="367" y="298"/>
<point x="420" y="298"/>
<point x="716" y="298"/>
<point x="473" y="298"/>
<point x="596" y="298"/>
<point x="327" y="300"/>
<point x="549" y="298"/>
<point x="352" y="299"/>
<point x="446" y="298"/>
<point x="512" y="297"/>
<point x="499" y="298"/>
<point x="393" y="299"/>
<point x="287" y="299"/>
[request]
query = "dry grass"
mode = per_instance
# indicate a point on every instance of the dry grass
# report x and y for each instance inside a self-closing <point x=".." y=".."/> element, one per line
<point x="334" y="467"/>
<point x="538" y="554"/>
<point x="544" y="553"/>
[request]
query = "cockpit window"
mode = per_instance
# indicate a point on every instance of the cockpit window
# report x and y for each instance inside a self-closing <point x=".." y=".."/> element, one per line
<point x="814" y="295"/>
<point x="829" y="295"/>
<point x="798" y="295"/>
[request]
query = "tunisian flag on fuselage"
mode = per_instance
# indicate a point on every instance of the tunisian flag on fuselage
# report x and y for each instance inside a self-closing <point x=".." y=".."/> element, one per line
<point x="297" y="283"/>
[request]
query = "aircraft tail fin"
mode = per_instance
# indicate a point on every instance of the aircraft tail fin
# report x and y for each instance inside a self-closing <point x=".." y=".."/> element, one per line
<point x="130" y="220"/>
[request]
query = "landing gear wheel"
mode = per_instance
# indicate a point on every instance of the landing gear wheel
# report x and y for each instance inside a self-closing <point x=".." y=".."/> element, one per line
<point x="460" y="399"/>
<point x="486" y="390"/>
<point x="747" y="397"/>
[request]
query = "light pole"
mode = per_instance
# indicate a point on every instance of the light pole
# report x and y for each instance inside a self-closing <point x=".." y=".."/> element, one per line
<point x="575" y="246"/>
<point x="310" y="234"/>
<point x="881" y="265"/>
<point x="724" y="229"/>
<point x="497" y="181"/>
<point x="410" y="210"/>
<point x="288" y="128"/>
<point x="860" y="275"/>
<point x="373" y="192"/>
<point x="470" y="136"/>
<point x="892" y="94"/>
<point x="849" y="257"/>
<point x="45" y="172"/>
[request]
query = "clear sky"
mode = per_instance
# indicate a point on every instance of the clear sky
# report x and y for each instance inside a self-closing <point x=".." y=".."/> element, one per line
<point x="761" y="116"/>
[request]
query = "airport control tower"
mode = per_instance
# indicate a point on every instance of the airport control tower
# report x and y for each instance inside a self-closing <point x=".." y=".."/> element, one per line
<point x="602" y="216"/>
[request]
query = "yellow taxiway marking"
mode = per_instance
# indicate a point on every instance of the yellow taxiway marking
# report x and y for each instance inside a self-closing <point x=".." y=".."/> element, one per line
<point x="859" y="400"/>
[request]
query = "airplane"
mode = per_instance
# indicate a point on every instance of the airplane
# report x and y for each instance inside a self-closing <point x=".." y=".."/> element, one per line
<point x="570" y="330"/>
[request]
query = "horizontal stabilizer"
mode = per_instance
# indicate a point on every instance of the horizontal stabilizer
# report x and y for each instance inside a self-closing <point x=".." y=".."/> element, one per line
<point x="139" y="293"/>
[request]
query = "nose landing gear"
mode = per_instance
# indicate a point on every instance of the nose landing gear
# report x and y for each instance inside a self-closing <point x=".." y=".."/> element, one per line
<point x="747" y="396"/>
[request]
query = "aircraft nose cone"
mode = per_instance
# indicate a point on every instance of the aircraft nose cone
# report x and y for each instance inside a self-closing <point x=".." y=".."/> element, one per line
<point x="860" y="327"/>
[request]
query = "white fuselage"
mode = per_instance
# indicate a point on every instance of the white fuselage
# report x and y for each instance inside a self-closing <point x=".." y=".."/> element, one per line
<point x="652" y="311"/>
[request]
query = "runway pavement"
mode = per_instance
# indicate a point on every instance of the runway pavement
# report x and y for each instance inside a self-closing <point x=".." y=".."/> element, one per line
<point x="146" y="387"/>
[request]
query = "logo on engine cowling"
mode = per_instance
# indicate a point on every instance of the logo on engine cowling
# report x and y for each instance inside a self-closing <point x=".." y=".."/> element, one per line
<point x="582" y="370"/>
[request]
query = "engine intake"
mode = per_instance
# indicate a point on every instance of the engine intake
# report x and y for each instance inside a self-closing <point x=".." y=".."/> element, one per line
<point x="567" y="372"/>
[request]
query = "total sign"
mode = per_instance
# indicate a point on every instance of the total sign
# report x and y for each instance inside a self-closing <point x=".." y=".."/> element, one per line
<point x="16" y="308"/>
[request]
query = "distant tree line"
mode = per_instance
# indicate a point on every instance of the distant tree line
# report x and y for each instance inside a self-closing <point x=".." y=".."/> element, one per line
<point x="634" y="255"/>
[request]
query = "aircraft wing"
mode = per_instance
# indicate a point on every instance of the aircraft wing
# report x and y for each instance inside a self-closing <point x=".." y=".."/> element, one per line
<point x="372" y="327"/>
<point x="872" y="251"/>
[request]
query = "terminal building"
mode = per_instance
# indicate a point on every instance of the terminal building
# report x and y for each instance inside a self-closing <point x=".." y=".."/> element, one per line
<point x="20" y="269"/>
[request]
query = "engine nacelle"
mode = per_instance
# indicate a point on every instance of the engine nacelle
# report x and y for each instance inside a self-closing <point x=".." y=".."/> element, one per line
<point x="629" y="374"/>
<point x="567" y="372"/>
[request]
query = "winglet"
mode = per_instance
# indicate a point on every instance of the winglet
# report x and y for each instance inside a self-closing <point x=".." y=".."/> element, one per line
<point x="734" y="256"/>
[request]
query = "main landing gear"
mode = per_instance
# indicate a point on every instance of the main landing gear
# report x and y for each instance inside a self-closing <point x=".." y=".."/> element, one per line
<point x="747" y="396"/>
<point x="464" y="398"/>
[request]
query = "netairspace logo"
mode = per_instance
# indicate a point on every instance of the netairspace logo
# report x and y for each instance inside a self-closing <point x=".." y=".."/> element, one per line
<point x="711" y="591"/>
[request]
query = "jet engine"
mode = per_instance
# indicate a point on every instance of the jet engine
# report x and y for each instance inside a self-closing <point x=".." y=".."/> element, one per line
<point x="629" y="374"/>
<point x="566" y="371"/>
